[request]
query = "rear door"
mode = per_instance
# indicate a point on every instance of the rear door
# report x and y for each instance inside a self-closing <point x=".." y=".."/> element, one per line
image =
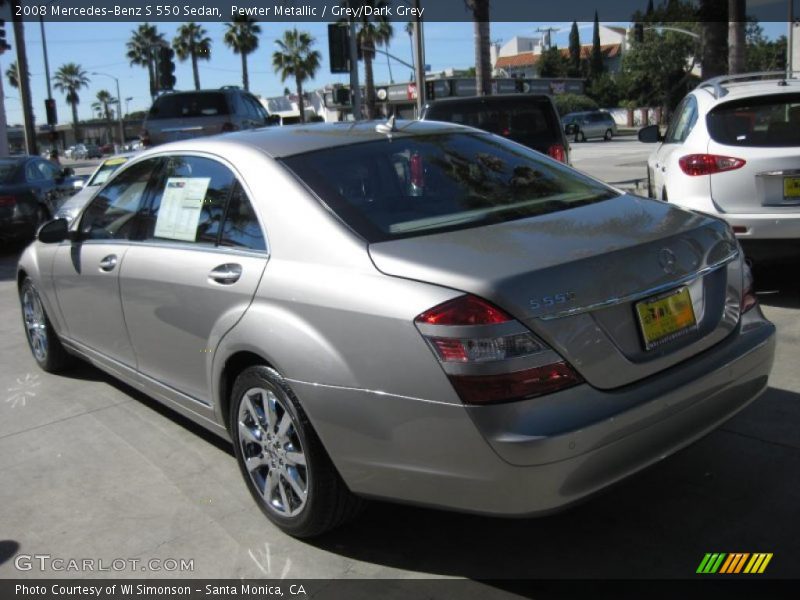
<point x="680" y="126"/>
<point x="764" y="131"/>
<point x="194" y="274"/>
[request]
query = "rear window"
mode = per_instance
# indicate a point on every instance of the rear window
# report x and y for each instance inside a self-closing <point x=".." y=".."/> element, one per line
<point x="178" y="106"/>
<point x="772" y="120"/>
<point x="8" y="169"/>
<point x="524" y="118"/>
<point x="407" y="187"/>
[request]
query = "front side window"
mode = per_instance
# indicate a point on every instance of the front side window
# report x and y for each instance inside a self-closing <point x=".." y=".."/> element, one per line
<point x="683" y="121"/>
<point x="404" y="187"/>
<point x="112" y="214"/>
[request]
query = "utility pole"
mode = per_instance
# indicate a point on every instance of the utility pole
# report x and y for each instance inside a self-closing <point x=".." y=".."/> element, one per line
<point x="419" y="60"/>
<point x="24" y="81"/>
<point x="790" y="42"/>
<point x="355" y="88"/>
<point x="547" y="33"/>
<point x="3" y="123"/>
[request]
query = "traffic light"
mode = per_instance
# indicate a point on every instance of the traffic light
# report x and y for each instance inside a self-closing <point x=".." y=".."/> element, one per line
<point x="339" y="48"/>
<point x="638" y="32"/>
<point x="3" y="43"/>
<point x="50" y="111"/>
<point x="429" y="90"/>
<point x="166" y="68"/>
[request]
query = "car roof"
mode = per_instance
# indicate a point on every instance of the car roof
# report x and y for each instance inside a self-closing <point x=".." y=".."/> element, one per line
<point x="487" y="99"/>
<point x="729" y="90"/>
<point x="289" y="140"/>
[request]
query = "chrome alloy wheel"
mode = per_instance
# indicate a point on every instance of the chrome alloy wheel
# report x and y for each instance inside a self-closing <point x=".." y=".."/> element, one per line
<point x="35" y="323"/>
<point x="272" y="451"/>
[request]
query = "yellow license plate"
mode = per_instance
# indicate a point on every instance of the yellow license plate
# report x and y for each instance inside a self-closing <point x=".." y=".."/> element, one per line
<point x="666" y="318"/>
<point x="791" y="187"/>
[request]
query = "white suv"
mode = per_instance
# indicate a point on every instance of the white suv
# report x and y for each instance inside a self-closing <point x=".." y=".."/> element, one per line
<point x="732" y="150"/>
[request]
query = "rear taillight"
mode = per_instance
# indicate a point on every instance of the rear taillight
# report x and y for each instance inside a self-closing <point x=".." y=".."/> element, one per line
<point x="708" y="164"/>
<point x="8" y="201"/>
<point x="489" y="356"/>
<point x="749" y="299"/>
<point x="557" y="151"/>
<point x="228" y="126"/>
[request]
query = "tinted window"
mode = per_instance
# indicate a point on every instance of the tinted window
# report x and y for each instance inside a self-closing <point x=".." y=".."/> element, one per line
<point x="177" y="106"/>
<point x="112" y="213"/>
<point x="32" y="173"/>
<point x="241" y="228"/>
<point x="414" y="186"/>
<point x="8" y="170"/>
<point x="765" y="121"/>
<point x="188" y="201"/>
<point x="683" y="121"/>
<point x="49" y="170"/>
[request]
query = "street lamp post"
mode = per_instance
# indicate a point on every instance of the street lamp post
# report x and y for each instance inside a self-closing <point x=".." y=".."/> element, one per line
<point x="119" y="110"/>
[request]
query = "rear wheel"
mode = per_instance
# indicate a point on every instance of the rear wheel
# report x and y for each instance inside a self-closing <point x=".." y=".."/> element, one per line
<point x="283" y="462"/>
<point x="579" y="137"/>
<point x="608" y="135"/>
<point x="42" y="339"/>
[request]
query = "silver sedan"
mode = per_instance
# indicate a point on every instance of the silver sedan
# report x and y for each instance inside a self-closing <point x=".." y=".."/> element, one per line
<point x="412" y="311"/>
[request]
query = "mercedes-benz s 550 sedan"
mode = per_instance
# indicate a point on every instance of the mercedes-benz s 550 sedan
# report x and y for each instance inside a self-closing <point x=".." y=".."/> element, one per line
<point x="413" y="311"/>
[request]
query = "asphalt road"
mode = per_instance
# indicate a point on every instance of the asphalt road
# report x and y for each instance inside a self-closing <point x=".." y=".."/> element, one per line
<point x="92" y="469"/>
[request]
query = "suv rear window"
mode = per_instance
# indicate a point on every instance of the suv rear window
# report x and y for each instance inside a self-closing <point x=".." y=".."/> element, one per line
<point x="523" y="118"/>
<point x="178" y="106"/>
<point x="413" y="186"/>
<point x="772" y="120"/>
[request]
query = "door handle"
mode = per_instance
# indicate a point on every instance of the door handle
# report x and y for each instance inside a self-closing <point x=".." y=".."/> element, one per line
<point x="108" y="263"/>
<point x="226" y="274"/>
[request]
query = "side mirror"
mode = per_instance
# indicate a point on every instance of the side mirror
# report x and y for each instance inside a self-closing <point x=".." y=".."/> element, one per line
<point x="650" y="134"/>
<point x="54" y="232"/>
<point x="571" y="129"/>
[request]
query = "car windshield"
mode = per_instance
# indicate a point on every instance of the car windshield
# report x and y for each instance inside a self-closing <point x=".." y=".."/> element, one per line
<point x="768" y="121"/>
<point x="420" y="185"/>
<point x="178" y="106"/>
<point x="106" y="169"/>
<point x="8" y="169"/>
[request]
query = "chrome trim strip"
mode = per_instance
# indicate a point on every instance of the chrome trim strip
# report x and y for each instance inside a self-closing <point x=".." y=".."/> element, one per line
<point x="512" y="327"/>
<point x="643" y="293"/>
<point x="374" y="392"/>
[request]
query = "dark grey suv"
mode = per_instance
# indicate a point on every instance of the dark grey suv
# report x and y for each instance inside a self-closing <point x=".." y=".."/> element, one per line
<point x="184" y="115"/>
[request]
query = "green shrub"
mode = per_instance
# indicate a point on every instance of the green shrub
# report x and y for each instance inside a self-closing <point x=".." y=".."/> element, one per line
<point x="567" y="103"/>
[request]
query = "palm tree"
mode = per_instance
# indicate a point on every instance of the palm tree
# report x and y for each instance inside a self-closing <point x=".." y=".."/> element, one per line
<point x="140" y="50"/>
<point x="483" y="65"/>
<point x="295" y="58"/>
<point x="372" y="32"/>
<point x="241" y="36"/>
<point x="104" y="98"/>
<point x="69" y="79"/>
<point x="192" y="42"/>
<point x="12" y="74"/>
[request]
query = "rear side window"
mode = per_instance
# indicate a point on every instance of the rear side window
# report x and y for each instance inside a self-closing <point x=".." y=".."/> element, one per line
<point x="179" y="106"/>
<point x="406" y="187"/>
<point x="241" y="228"/>
<point x="772" y="120"/>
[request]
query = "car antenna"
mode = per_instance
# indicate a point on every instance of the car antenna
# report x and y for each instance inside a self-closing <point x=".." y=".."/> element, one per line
<point x="389" y="127"/>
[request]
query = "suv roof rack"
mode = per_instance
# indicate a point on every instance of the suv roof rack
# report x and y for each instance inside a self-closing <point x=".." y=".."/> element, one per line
<point x="716" y="83"/>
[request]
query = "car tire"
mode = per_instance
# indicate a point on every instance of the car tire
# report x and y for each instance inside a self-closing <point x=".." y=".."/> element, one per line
<point x="579" y="137"/>
<point x="272" y="438"/>
<point x="42" y="215"/>
<point x="46" y="347"/>
<point x="608" y="135"/>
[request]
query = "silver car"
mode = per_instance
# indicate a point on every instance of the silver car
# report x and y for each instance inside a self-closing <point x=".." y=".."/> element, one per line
<point x="413" y="311"/>
<point x="70" y="209"/>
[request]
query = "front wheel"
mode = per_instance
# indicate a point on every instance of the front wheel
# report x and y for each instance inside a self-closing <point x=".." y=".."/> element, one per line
<point x="283" y="462"/>
<point x="42" y="339"/>
<point x="579" y="137"/>
<point x="608" y="135"/>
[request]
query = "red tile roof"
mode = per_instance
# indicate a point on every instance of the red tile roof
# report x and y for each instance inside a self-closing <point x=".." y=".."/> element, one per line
<point x="529" y="59"/>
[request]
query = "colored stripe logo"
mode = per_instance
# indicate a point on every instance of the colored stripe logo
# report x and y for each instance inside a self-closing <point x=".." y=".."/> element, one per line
<point x="734" y="563"/>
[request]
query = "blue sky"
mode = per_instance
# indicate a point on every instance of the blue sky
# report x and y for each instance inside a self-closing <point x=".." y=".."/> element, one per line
<point x="100" y="47"/>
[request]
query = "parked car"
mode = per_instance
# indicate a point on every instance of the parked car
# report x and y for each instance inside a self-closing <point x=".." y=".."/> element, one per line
<point x="73" y="205"/>
<point x="732" y="149"/>
<point x="589" y="124"/>
<point x="31" y="189"/>
<point x="414" y="311"/>
<point x="92" y="151"/>
<point x="185" y="115"/>
<point x="529" y="119"/>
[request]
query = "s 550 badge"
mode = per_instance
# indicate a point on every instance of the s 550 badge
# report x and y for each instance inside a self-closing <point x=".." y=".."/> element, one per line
<point x="550" y="301"/>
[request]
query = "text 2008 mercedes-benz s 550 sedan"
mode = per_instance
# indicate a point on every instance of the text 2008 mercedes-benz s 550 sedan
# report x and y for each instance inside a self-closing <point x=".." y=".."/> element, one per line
<point x="413" y="311"/>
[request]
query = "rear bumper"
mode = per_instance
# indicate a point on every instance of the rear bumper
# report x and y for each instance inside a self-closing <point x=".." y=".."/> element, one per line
<point x="765" y="226"/>
<point x="534" y="457"/>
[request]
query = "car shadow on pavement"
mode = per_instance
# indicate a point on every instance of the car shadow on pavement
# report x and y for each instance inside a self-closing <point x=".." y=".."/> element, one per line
<point x="777" y="285"/>
<point x="9" y="256"/>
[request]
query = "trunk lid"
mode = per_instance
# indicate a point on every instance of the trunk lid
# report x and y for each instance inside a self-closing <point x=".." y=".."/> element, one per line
<point x="574" y="277"/>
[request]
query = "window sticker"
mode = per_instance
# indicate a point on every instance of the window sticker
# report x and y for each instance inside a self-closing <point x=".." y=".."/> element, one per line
<point x="181" y="206"/>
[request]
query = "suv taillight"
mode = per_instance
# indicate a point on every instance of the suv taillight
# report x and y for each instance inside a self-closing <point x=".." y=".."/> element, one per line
<point x="557" y="151"/>
<point x="708" y="164"/>
<point x="8" y="201"/>
<point x="489" y="356"/>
